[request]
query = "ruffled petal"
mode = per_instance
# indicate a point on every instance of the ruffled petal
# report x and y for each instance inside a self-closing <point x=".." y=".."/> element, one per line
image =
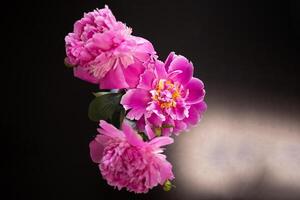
<point x="200" y="107"/>
<point x="126" y="61"/>
<point x="96" y="151"/>
<point x="149" y="132"/>
<point x="194" y="116"/>
<point x="195" y="89"/>
<point x="135" y="113"/>
<point x="132" y="73"/>
<point x="195" y="113"/>
<point x="167" y="131"/>
<point x="181" y="111"/>
<point x="136" y="100"/>
<point x="179" y="126"/>
<point x="160" y="141"/>
<point x="166" y="172"/>
<point x="144" y="49"/>
<point x="109" y="130"/>
<point x="132" y="137"/>
<point x="155" y="120"/>
<point x="169" y="60"/>
<point x="114" y="79"/>
<point x="103" y="40"/>
<point x="83" y="74"/>
<point x="160" y="71"/>
<point x="181" y="63"/>
<point x="146" y="80"/>
<point x="140" y="124"/>
<point x="168" y="126"/>
<point x="97" y="147"/>
<point x="156" y="109"/>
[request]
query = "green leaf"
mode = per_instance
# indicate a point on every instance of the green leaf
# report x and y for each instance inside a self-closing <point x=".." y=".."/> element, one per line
<point x="118" y="116"/>
<point x="105" y="107"/>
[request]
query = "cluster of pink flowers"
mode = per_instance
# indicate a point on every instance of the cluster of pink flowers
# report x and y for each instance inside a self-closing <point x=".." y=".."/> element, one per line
<point x="160" y="99"/>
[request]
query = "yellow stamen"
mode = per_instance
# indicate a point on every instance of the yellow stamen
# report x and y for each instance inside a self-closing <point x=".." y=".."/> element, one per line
<point x="160" y="84"/>
<point x="166" y="85"/>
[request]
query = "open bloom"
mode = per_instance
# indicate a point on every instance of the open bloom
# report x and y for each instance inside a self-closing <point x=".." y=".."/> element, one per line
<point x="103" y="51"/>
<point x="126" y="161"/>
<point x="167" y="97"/>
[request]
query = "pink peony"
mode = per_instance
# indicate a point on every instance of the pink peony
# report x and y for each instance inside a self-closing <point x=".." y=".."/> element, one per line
<point x="103" y="51"/>
<point x="167" y="97"/>
<point x="125" y="160"/>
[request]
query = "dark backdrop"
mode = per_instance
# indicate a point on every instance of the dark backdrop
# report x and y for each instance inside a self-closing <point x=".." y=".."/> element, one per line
<point x="247" y="48"/>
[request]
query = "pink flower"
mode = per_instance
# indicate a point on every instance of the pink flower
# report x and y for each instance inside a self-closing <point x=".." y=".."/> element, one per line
<point x="126" y="161"/>
<point x="167" y="97"/>
<point x="104" y="52"/>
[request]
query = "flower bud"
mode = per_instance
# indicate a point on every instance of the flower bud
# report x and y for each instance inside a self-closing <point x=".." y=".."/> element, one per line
<point x="167" y="186"/>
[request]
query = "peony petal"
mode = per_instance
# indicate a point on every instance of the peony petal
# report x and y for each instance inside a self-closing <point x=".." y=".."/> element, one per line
<point x="195" y="91"/>
<point x="155" y="108"/>
<point x="132" y="137"/>
<point x="161" y="141"/>
<point x="168" y="126"/>
<point x="109" y="130"/>
<point x="149" y="132"/>
<point x="144" y="49"/>
<point x="154" y="176"/>
<point x="166" y="172"/>
<point x="194" y="117"/>
<point x="200" y="107"/>
<point x="135" y="113"/>
<point x="126" y="61"/>
<point x="181" y="63"/>
<point x="173" y="74"/>
<point x="102" y="65"/>
<point x="132" y="73"/>
<point x="114" y="79"/>
<point x="137" y="100"/>
<point x="195" y="113"/>
<point x="83" y="74"/>
<point x="181" y="111"/>
<point x="155" y="120"/>
<point x="78" y="26"/>
<point x="96" y="150"/>
<point x="167" y="131"/>
<point x="179" y="127"/>
<point x="97" y="146"/>
<point x="140" y="124"/>
<point x="169" y="60"/>
<point x="84" y="56"/>
<point x="146" y="80"/>
<point x="160" y="71"/>
<point x="103" y="40"/>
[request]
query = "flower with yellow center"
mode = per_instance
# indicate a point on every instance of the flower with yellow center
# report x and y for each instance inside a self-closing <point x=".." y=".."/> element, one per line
<point x="166" y="94"/>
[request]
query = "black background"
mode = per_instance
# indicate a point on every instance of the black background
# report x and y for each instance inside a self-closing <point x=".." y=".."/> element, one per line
<point x="238" y="48"/>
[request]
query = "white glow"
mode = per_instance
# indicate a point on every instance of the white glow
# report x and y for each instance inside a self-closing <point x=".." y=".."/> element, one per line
<point x="231" y="149"/>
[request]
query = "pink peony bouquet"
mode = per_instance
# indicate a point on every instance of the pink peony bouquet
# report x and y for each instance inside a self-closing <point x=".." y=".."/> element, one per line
<point x="141" y="104"/>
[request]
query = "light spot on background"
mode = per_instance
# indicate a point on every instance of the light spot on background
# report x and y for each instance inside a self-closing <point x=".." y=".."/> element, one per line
<point x="234" y="151"/>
